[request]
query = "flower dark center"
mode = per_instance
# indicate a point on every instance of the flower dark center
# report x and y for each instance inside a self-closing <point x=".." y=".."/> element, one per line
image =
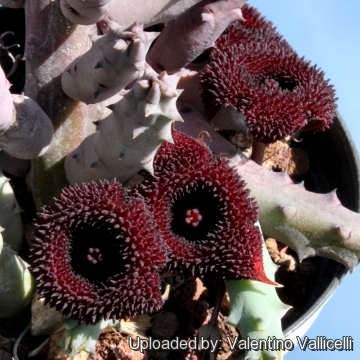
<point x="196" y="213"/>
<point x="95" y="253"/>
<point x="284" y="82"/>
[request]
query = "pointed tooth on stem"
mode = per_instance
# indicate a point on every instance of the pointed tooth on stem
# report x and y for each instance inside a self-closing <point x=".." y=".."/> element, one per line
<point x="149" y="168"/>
<point x="166" y="136"/>
<point x="94" y="164"/>
<point x="93" y="38"/>
<point x="152" y="99"/>
<point x="343" y="231"/>
<point x="136" y="51"/>
<point x="332" y="198"/>
<point x="111" y="107"/>
<point x="287" y="210"/>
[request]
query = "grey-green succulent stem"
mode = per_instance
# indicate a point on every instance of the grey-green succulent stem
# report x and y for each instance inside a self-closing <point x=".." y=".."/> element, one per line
<point x="256" y="310"/>
<point x="52" y="42"/>
<point x="309" y="223"/>
<point x="10" y="219"/>
<point x="16" y="282"/>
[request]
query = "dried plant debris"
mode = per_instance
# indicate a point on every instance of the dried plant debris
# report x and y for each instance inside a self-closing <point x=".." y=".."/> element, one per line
<point x="279" y="254"/>
<point x="279" y="156"/>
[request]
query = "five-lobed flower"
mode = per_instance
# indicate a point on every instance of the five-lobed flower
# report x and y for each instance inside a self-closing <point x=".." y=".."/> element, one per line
<point x="96" y="254"/>
<point x="98" y="250"/>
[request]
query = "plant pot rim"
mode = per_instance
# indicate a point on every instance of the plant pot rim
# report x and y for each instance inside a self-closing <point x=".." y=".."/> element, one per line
<point x="300" y="326"/>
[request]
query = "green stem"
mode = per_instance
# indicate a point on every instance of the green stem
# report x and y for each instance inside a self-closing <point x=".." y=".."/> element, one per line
<point x="52" y="42"/>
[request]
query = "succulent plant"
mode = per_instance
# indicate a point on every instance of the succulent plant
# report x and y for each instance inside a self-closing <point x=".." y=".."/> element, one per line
<point x="113" y="116"/>
<point x="124" y="12"/>
<point x="17" y="284"/>
<point x="10" y="218"/>
<point x="288" y="212"/>
<point x="92" y="260"/>
<point x="197" y="28"/>
<point x="138" y="124"/>
<point x="114" y="61"/>
<point x="203" y="212"/>
<point x="256" y="311"/>
<point x="25" y="131"/>
<point x="277" y="92"/>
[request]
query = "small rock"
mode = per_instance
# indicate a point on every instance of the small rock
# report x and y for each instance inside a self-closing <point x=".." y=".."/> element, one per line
<point x="54" y="349"/>
<point x="277" y="156"/>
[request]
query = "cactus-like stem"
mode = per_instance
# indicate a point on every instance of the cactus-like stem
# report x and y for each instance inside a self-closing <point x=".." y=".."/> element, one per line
<point x="16" y="282"/>
<point x="309" y="223"/>
<point x="10" y="219"/>
<point x="85" y="12"/>
<point x="190" y="82"/>
<point x="31" y="131"/>
<point x="126" y="141"/>
<point x="198" y="28"/>
<point x="52" y="43"/>
<point x="6" y="104"/>
<point x="124" y="12"/>
<point x="256" y="310"/>
<point x="25" y="130"/>
<point x="113" y="62"/>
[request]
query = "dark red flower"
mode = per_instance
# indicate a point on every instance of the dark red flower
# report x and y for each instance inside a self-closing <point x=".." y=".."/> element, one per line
<point x="255" y="70"/>
<point x="277" y="92"/>
<point x="203" y="211"/>
<point x="96" y="254"/>
<point x="256" y="28"/>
